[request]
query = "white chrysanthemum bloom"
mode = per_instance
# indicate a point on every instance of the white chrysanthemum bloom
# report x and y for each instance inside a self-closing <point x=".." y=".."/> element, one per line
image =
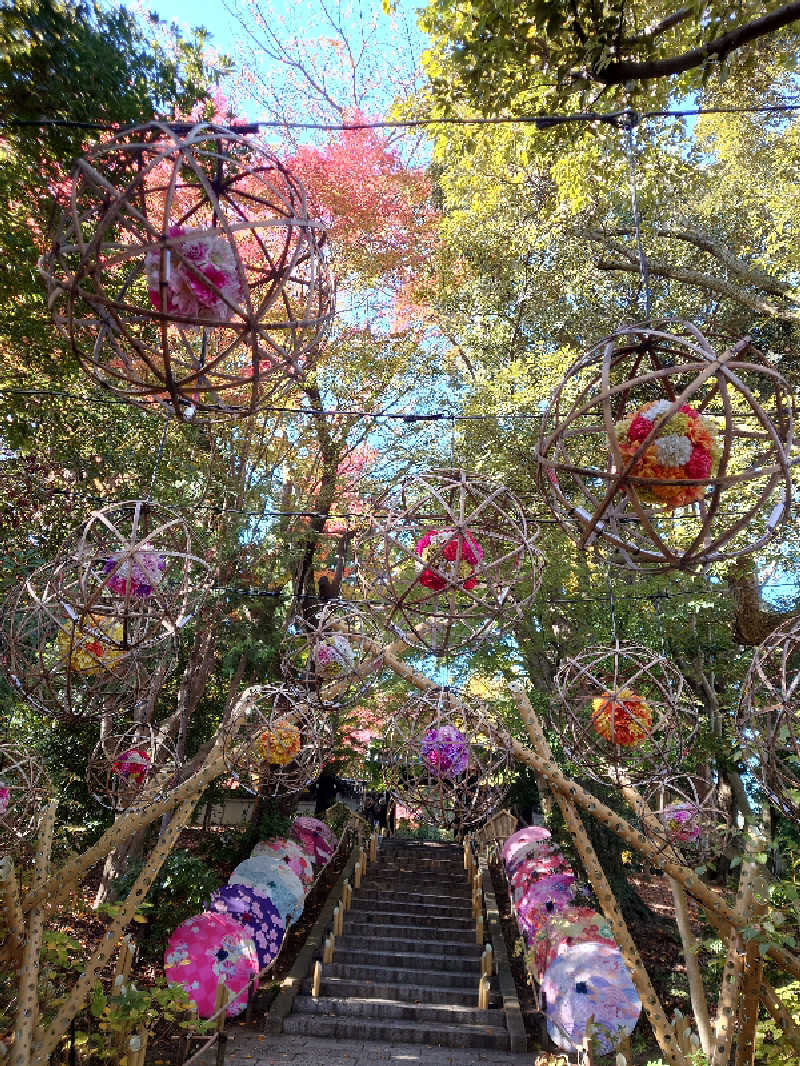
<point x="659" y="408"/>
<point x="220" y="255"/>
<point x="674" y="449"/>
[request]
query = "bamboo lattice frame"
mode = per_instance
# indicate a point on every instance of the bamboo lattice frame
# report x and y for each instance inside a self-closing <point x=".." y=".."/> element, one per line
<point x="250" y="338"/>
<point x="461" y="800"/>
<point x="605" y="674"/>
<point x="768" y="719"/>
<point x="590" y="487"/>
<point x="700" y="799"/>
<point x="105" y="773"/>
<point x="270" y="707"/>
<point x="28" y="790"/>
<point x="474" y="598"/>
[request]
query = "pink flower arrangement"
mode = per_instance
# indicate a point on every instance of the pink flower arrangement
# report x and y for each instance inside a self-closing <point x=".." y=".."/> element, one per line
<point x="135" y="575"/>
<point x="445" y="751"/>
<point x="450" y="558"/>
<point x="200" y="274"/>
<point x="5" y="797"/>
<point x="132" y="765"/>
<point x="681" y="821"/>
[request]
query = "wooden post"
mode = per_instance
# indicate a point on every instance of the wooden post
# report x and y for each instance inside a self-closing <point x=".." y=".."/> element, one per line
<point x="125" y="957"/>
<point x="362" y="855"/>
<point x="327" y="950"/>
<point x="479" y="929"/>
<point x="373" y="847"/>
<point x="655" y="1012"/>
<point x="483" y="993"/>
<point x="336" y="912"/>
<point x="357" y="874"/>
<point x="347" y="895"/>
<point x="489" y="955"/>
<point x="28" y="988"/>
<point x="315" y="981"/>
<point x="251" y="1000"/>
<point x="137" y="1048"/>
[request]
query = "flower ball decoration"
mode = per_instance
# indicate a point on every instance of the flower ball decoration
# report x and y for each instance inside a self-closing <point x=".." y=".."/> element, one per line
<point x="282" y="742"/>
<point x="623" y="713"/>
<point x="205" y="950"/>
<point x="667" y="453"/>
<point x="442" y="756"/>
<point x="768" y="717"/>
<point x="449" y="556"/>
<point x="24" y="791"/>
<point x="188" y="271"/>
<point x="332" y="650"/>
<point x="130" y="769"/>
<point x="71" y="659"/>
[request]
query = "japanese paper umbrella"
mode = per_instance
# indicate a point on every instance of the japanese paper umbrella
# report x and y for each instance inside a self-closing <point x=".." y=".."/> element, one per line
<point x="543" y="899"/>
<point x="590" y="981"/>
<point x="316" y="846"/>
<point x="534" y="869"/>
<point x="318" y="827"/>
<point x="276" y="881"/>
<point x="530" y="850"/>
<point x="531" y="834"/>
<point x="256" y="914"/>
<point x="574" y="925"/>
<point x="298" y="861"/>
<point x="206" y="949"/>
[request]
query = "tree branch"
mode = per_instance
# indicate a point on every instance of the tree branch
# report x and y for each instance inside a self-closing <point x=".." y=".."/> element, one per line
<point x="658" y="28"/>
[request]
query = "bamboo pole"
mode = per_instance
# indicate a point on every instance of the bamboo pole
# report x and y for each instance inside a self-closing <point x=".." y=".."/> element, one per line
<point x="357" y="874"/>
<point x="80" y="990"/>
<point x="316" y="979"/>
<point x="28" y="980"/>
<point x="373" y="847"/>
<point x="9" y="902"/>
<point x="347" y="895"/>
<point x="479" y="929"/>
<point x="780" y="1015"/>
<point x="630" y="953"/>
<point x="483" y="993"/>
<point x="751" y="989"/>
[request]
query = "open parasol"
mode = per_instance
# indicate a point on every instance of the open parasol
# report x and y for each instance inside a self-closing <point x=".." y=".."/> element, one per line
<point x="256" y="914"/>
<point x="544" y="898"/>
<point x="530" y="834"/>
<point x="276" y="881"/>
<point x="574" y="925"/>
<point x="205" y="950"/>
<point x="289" y="852"/>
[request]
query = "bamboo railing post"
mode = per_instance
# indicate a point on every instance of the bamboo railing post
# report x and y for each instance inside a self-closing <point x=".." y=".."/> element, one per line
<point x="220" y="1012"/>
<point x="357" y="874"/>
<point x="641" y="979"/>
<point x="483" y="993"/>
<point x="28" y="981"/>
<point x="373" y="847"/>
<point x="347" y="895"/>
<point x="479" y="930"/>
<point x="316" y="979"/>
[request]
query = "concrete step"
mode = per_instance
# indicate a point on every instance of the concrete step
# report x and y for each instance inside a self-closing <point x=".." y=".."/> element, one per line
<point x="395" y="975"/>
<point x="395" y="927"/>
<point x="400" y="895"/>
<point x="453" y="871"/>
<point x="385" y="944"/>
<point x="398" y="1032"/>
<point x="394" y="1011"/>
<point x="419" y="915"/>
<point x="339" y="987"/>
<point x="368" y="955"/>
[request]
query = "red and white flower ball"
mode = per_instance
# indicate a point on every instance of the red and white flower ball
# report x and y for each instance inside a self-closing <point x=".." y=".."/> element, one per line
<point x="449" y="558"/>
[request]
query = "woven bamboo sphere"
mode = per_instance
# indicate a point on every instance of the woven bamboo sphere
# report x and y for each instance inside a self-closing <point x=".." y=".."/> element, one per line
<point x="132" y="768"/>
<point x="330" y="649"/>
<point x="442" y="756"/>
<point x="623" y="713"/>
<point x="24" y="791"/>
<point x="688" y="816"/>
<point x="768" y="719"/>
<point x="667" y="453"/>
<point x="69" y="660"/>
<point x="187" y="271"/>
<point x="449" y="558"/>
<point x="281" y="743"/>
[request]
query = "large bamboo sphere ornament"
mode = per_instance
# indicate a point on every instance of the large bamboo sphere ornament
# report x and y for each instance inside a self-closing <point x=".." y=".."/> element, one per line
<point x="132" y="768"/>
<point x="24" y="791"/>
<point x="623" y="713"/>
<point x="331" y="649"/>
<point x="70" y="659"/>
<point x="187" y="270"/>
<point x="768" y="719"/>
<point x="281" y="743"/>
<point x="449" y="558"/>
<point x="666" y="453"/>
<point x="441" y="756"/>
<point x="687" y="816"/>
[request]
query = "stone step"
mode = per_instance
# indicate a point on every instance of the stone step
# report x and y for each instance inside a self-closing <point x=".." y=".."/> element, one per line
<point x="368" y="955"/>
<point x="391" y="1009"/>
<point x="453" y="871"/>
<point x="401" y="993"/>
<point x="402" y="895"/>
<point x="416" y="886"/>
<point x="422" y="916"/>
<point x="461" y="947"/>
<point x="400" y="929"/>
<point x="429" y="847"/>
<point x="394" y="975"/>
<point x="398" y="1032"/>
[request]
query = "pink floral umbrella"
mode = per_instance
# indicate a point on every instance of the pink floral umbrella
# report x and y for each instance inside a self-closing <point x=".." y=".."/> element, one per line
<point x="292" y="854"/>
<point x="317" y="826"/>
<point x="543" y="899"/>
<point x="531" y="834"/>
<point x="205" y="950"/>
<point x="534" y="869"/>
<point x="526" y="852"/>
<point x="574" y="925"/>
<point x="590" y="981"/>
<point x="318" y="847"/>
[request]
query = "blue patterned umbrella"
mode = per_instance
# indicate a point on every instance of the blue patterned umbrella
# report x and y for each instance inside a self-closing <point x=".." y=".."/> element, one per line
<point x="254" y="910"/>
<point x="274" y="880"/>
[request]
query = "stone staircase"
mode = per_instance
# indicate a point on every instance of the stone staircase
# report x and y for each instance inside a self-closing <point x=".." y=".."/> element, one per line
<point x="407" y="968"/>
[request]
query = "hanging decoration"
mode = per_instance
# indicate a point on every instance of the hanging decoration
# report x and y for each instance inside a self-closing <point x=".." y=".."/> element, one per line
<point x="130" y="769"/>
<point x="283" y="743"/>
<point x="623" y="712"/>
<point x="188" y="272"/>
<point x="450" y="556"/>
<point x="441" y="757"/>
<point x="24" y="791"/>
<point x="768" y="717"/>
<point x="330" y="649"/>
<point x="667" y="453"/>
<point x="205" y="950"/>
<point x="687" y="815"/>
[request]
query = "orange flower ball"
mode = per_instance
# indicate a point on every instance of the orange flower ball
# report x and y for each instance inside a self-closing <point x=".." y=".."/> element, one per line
<point x="279" y="745"/>
<point x="622" y="718"/>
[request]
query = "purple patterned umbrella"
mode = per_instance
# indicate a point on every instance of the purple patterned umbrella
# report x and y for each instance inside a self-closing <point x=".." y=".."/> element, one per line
<point x="543" y="899"/>
<point x="256" y="912"/>
<point x="531" y="834"/>
<point x="534" y="869"/>
<point x="590" y="981"/>
<point x="445" y="751"/>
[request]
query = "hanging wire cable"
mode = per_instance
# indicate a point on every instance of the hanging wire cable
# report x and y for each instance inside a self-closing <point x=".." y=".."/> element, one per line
<point x="612" y="612"/>
<point x="629" y="124"/>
